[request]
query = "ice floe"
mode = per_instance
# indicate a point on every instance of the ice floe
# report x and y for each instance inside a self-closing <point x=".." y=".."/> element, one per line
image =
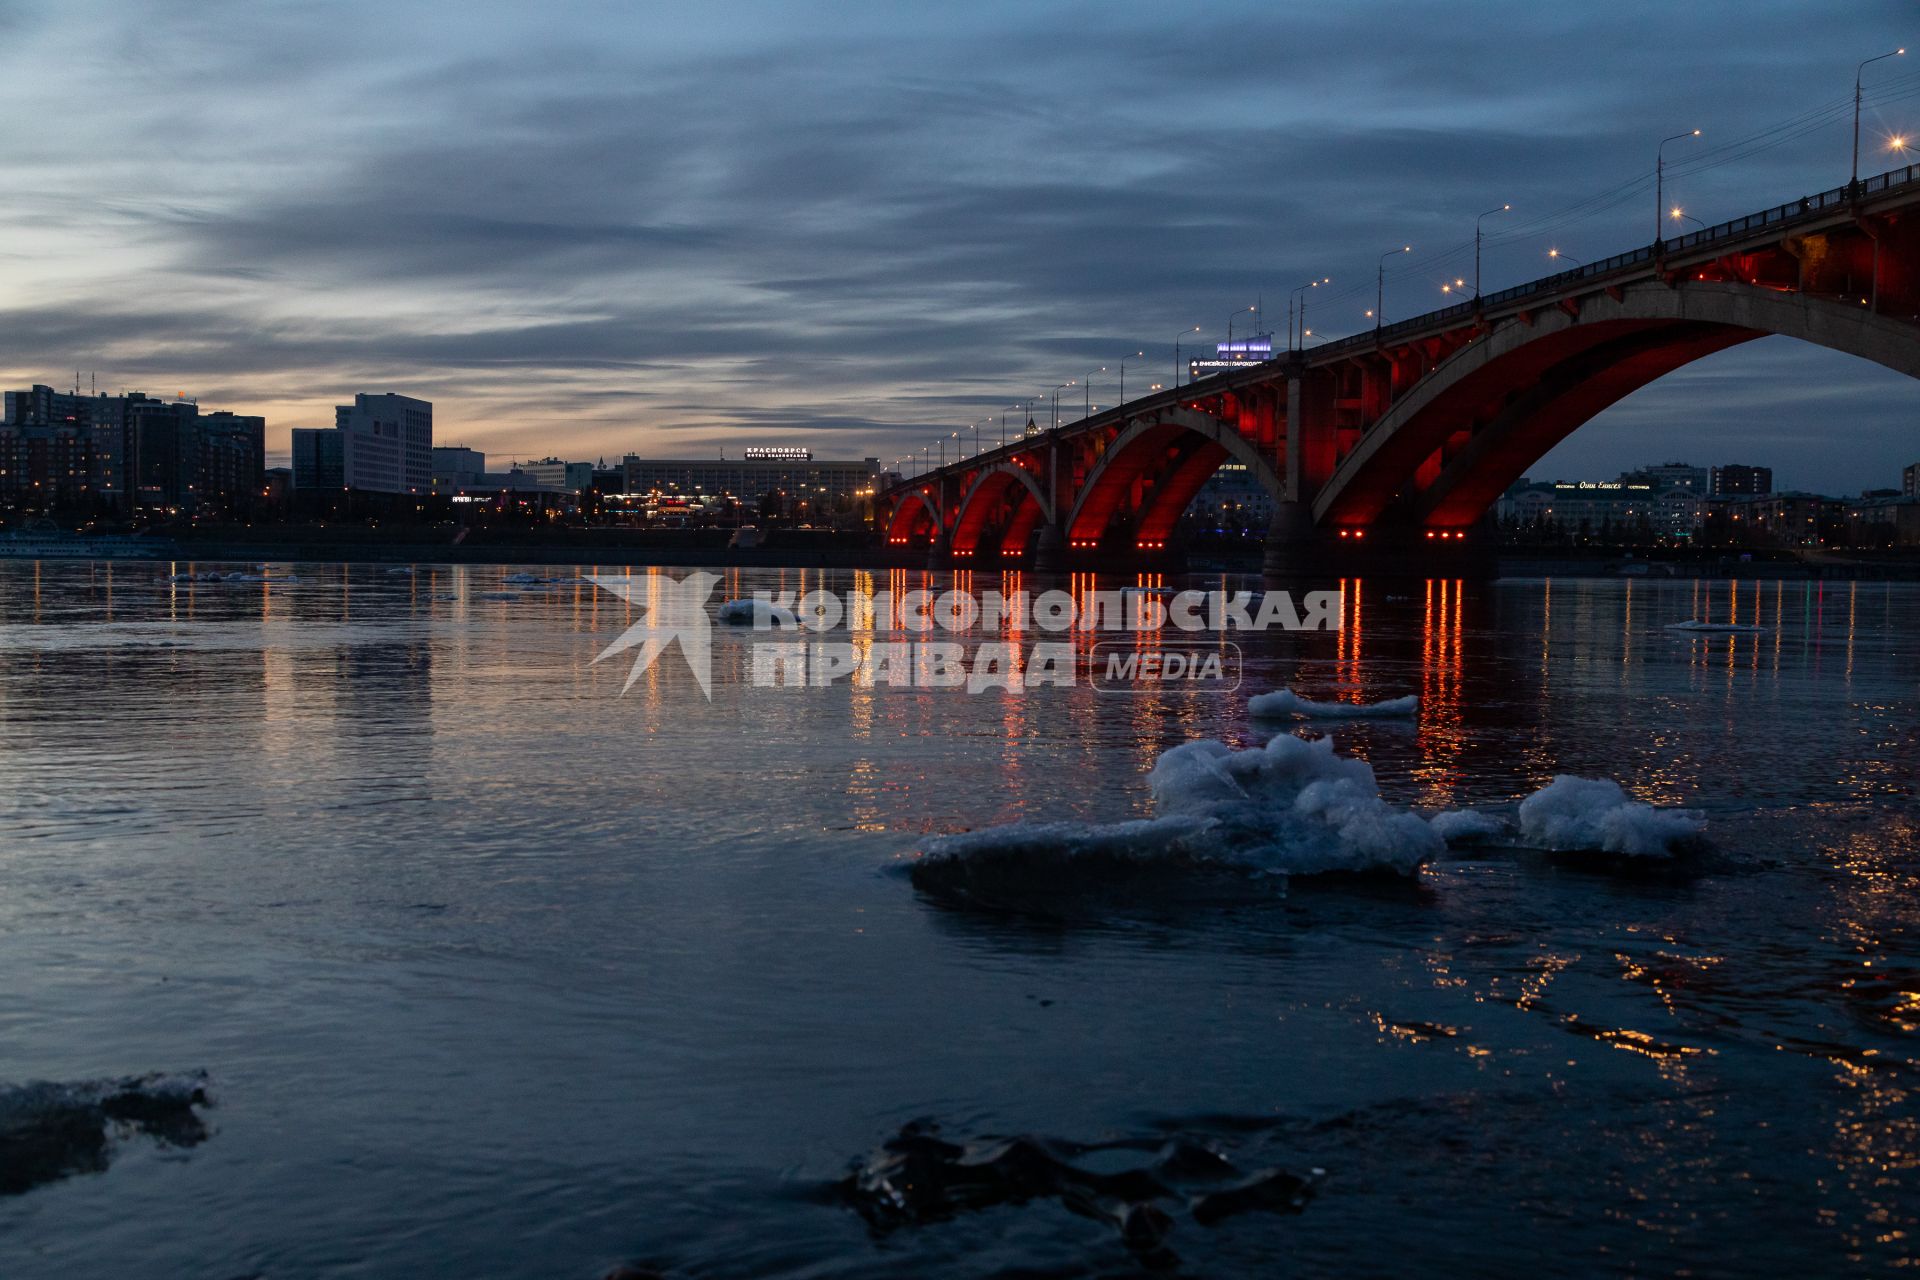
<point x="1224" y="820"/>
<point x="1135" y="1185"/>
<point x="1286" y="703"/>
<point x="1734" y="628"/>
<point x="1594" y="815"/>
<point x="1293" y="807"/>
<point x="1464" y="826"/>
<point x="53" y="1131"/>
<point x="756" y="613"/>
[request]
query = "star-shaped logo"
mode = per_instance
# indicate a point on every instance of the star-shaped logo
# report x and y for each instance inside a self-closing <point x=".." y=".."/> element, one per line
<point x="676" y="613"/>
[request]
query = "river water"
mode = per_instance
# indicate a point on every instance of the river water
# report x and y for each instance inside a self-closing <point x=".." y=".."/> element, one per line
<point x="494" y="971"/>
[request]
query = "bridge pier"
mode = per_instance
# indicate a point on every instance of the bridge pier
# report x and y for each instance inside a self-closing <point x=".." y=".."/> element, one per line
<point x="1383" y="551"/>
<point x="1050" y="551"/>
<point x="1291" y="539"/>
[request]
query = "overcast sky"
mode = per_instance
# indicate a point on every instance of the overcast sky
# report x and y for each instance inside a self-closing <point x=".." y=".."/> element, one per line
<point x="591" y="228"/>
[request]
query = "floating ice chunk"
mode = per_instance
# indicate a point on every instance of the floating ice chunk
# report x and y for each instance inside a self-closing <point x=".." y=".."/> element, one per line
<point x="53" y="1131"/>
<point x="756" y="613"/>
<point x="1695" y="624"/>
<point x="1463" y="826"/>
<point x="1143" y="838"/>
<point x="523" y="578"/>
<point x="403" y="570"/>
<point x="1293" y="807"/>
<point x="1594" y="814"/>
<point x="1288" y="703"/>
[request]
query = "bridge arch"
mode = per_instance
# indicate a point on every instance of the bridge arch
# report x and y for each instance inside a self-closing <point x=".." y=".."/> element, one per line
<point x="1166" y="458"/>
<point x="1474" y="425"/>
<point x="914" y="513"/>
<point x="985" y="495"/>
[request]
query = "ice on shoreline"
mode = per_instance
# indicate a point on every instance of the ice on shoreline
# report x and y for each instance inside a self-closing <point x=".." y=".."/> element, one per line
<point x="1286" y="703"/>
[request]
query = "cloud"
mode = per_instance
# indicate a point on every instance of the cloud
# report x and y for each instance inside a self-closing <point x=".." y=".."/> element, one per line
<point x="626" y="226"/>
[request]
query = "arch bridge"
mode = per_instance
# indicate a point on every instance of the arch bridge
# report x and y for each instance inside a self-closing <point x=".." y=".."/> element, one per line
<point x="1409" y="433"/>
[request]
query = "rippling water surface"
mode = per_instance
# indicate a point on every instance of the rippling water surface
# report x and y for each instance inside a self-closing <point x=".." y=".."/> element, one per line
<point x="496" y="972"/>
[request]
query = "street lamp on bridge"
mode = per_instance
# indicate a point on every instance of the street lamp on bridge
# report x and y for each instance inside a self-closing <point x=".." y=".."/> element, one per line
<point x="1023" y="407"/>
<point x="1123" y="375"/>
<point x="1557" y="256"/>
<point x="1476" y="243"/>
<point x="1678" y="214"/>
<point x="1380" y="285"/>
<point x="1230" y="319"/>
<point x="1086" y="394"/>
<point x="1660" y="178"/>
<point x="1300" y="294"/>
<point x="1176" y="352"/>
<point x="1056" y="401"/>
<point x="1858" y="73"/>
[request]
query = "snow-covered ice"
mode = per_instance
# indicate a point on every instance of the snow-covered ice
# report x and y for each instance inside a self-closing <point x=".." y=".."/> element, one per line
<point x="744" y="613"/>
<point x="1286" y="703"/>
<point x="1594" y="814"/>
<point x="1292" y="807"/>
<point x="1459" y="826"/>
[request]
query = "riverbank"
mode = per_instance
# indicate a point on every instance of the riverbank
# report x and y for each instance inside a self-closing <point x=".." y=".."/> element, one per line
<point x="823" y="549"/>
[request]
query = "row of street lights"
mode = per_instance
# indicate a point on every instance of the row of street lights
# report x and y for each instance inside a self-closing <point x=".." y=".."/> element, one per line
<point x="1297" y="330"/>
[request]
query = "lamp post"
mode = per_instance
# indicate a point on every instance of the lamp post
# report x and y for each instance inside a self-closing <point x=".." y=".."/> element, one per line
<point x="1086" y="394"/>
<point x="1230" y="319"/>
<point x="1558" y="256"/>
<point x="1476" y="244"/>
<point x="1660" y="179"/>
<point x="1123" y="374"/>
<point x="1678" y="214"/>
<point x="1300" y="294"/>
<point x="1176" y="352"/>
<point x="1056" y="402"/>
<point x="1380" y="286"/>
<point x="1858" y="73"/>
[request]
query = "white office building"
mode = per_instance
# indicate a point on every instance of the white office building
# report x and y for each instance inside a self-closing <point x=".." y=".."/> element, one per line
<point x="378" y="444"/>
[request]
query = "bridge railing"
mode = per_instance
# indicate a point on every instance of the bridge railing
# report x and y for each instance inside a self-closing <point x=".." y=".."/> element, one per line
<point x="1733" y="229"/>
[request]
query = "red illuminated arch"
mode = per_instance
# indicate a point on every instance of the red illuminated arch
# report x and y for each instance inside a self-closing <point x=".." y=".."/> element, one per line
<point x="1476" y="423"/>
<point x="1153" y="469"/>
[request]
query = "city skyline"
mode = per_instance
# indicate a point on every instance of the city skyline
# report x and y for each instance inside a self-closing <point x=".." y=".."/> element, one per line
<point x="647" y="233"/>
